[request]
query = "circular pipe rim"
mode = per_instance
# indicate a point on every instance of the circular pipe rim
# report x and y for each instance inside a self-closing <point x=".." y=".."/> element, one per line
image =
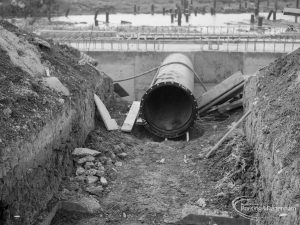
<point x="174" y="133"/>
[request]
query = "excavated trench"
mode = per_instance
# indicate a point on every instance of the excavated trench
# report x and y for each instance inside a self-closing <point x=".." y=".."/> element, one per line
<point x="136" y="179"/>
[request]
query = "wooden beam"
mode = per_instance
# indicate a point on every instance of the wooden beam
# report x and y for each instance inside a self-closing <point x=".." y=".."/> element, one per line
<point x="230" y="106"/>
<point x="131" y="117"/>
<point x="109" y="123"/>
<point x="220" y="89"/>
<point x="227" y="134"/>
<point x="231" y="93"/>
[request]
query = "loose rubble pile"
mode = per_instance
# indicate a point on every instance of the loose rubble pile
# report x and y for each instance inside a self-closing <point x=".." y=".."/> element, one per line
<point x="90" y="166"/>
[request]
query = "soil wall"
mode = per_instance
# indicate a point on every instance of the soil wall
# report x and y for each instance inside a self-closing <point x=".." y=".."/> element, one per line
<point x="39" y="131"/>
<point x="273" y="128"/>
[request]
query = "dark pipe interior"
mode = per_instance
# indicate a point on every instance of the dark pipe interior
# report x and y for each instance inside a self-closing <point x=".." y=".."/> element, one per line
<point x="168" y="108"/>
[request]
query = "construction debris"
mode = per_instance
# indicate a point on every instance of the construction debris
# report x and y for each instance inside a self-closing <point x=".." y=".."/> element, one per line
<point x="228" y="106"/>
<point x="131" y="117"/>
<point x="110" y="123"/>
<point x="221" y="92"/>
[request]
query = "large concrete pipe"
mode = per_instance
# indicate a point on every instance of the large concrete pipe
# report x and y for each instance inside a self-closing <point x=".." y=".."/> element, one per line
<point x="169" y="107"/>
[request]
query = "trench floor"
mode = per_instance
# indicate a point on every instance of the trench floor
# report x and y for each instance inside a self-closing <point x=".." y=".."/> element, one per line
<point x="161" y="182"/>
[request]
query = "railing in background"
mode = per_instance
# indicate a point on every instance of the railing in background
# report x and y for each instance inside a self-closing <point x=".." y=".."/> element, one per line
<point x="230" y="29"/>
<point x="286" y="44"/>
<point x="155" y="30"/>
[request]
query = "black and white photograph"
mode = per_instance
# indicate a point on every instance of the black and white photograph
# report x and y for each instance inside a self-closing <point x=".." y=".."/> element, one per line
<point x="149" y="112"/>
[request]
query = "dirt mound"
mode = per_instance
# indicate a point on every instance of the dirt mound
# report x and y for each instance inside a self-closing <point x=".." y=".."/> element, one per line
<point x="25" y="103"/>
<point x="273" y="129"/>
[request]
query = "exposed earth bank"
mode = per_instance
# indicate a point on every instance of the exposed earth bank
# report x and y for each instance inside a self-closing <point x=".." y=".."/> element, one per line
<point x="273" y="129"/>
<point x="46" y="109"/>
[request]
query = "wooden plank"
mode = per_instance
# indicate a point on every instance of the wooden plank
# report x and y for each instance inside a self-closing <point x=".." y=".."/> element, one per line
<point x="109" y="123"/>
<point x="230" y="106"/>
<point x="118" y="89"/>
<point x="227" y="106"/>
<point x="224" y="97"/>
<point x="226" y="135"/>
<point x="220" y="89"/>
<point x="131" y="117"/>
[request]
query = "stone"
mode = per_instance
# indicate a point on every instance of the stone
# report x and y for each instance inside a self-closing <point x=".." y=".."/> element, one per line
<point x="103" y="181"/>
<point x="91" y="172"/>
<point x="123" y="146"/>
<point x="79" y="171"/>
<point x="221" y="195"/>
<point x="87" y="158"/>
<point x="81" y="152"/>
<point x="117" y="149"/>
<point x="42" y="43"/>
<point x="91" y="179"/>
<point x="55" y="84"/>
<point x="82" y="204"/>
<point x="100" y="173"/>
<point x="201" y="202"/>
<point x="61" y="101"/>
<point x="89" y="165"/>
<point x="98" y="165"/>
<point x="109" y="162"/>
<point x="80" y="178"/>
<point x="118" y="164"/>
<point x="103" y="159"/>
<point x="112" y="155"/>
<point x="95" y="190"/>
<point x="122" y="155"/>
<point x="7" y="112"/>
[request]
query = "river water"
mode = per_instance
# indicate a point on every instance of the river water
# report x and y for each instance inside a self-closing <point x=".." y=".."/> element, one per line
<point x="165" y="20"/>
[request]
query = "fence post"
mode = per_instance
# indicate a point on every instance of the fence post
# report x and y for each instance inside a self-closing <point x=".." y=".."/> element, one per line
<point x="163" y="47"/>
<point x="146" y="42"/>
<point x="227" y="43"/>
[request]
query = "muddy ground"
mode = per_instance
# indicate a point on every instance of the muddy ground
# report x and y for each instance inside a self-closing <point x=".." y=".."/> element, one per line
<point x="161" y="182"/>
